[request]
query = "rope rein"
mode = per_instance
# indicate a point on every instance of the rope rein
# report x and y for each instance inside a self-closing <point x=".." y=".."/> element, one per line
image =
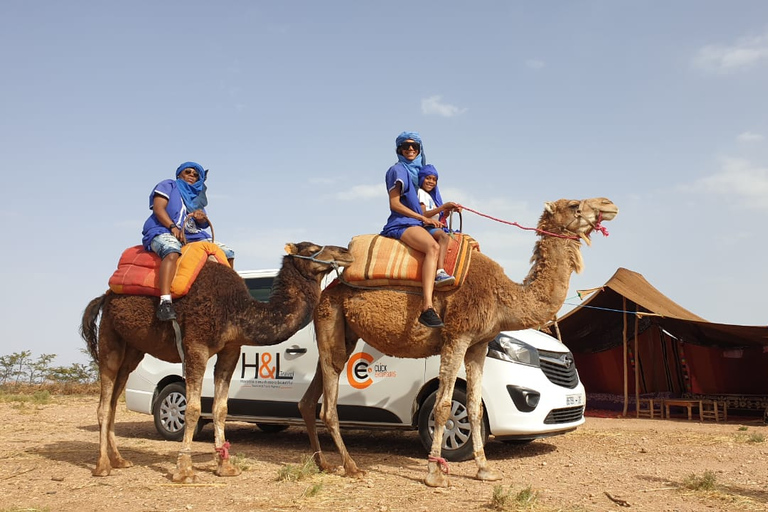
<point x="596" y="226"/>
<point x="184" y="231"/>
<point x="333" y="264"/>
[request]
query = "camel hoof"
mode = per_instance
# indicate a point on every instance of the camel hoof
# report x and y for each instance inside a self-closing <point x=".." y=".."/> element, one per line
<point x="184" y="478"/>
<point x="122" y="463"/>
<point x="437" y="479"/>
<point x="227" y="469"/>
<point x="355" y="473"/>
<point x="488" y="475"/>
<point x="101" y="471"/>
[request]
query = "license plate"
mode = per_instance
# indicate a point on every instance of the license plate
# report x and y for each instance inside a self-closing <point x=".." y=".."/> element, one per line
<point x="573" y="400"/>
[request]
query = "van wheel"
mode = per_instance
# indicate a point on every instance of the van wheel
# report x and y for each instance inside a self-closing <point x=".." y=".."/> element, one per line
<point x="169" y="410"/>
<point x="457" y="438"/>
<point x="271" y="428"/>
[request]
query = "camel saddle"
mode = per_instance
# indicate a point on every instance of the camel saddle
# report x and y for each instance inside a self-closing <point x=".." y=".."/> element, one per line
<point x="138" y="270"/>
<point x="383" y="261"/>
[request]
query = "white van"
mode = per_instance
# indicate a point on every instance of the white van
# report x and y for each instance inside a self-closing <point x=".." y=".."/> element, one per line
<point x="531" y="388"/>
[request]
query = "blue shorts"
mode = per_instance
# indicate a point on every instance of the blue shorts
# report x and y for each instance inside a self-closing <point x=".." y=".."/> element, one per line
<point x="397" y="231"/>
<point x="165" y="244"/>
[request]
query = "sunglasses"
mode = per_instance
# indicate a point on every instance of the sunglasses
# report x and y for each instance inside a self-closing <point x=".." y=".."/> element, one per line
<point x="192" y="172"/>
<point x="410" y="145"/>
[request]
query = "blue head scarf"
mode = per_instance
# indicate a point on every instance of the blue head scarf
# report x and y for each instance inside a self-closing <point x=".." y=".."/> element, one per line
<point x="415" y="165"/>
<point x="194" y="194"/>
<point x="429" y="170"/>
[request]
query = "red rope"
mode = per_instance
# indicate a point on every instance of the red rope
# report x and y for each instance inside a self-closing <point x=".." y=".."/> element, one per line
<point x="598" y="227"/>
<point x="441" y="463"/>
<point x="223" y="451"/>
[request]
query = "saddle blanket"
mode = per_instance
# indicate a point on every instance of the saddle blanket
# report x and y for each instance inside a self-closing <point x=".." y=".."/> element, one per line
<point x="383" y="261"/>
<point x="138" y="271"/>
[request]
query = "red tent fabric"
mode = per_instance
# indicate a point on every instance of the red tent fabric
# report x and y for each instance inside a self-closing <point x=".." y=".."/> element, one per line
<point x="679" y="352"/>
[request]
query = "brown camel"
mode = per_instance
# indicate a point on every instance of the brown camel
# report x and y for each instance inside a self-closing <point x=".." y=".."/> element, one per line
<point x="487" y="303"/>
<point x="217" y="317"/>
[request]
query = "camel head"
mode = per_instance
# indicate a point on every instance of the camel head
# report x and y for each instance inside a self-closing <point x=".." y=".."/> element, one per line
<point x="578" y="218"/>
<point x="316" y="261"/>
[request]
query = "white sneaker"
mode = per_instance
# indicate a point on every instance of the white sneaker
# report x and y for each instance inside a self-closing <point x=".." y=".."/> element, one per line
<point x="443" y="279"/>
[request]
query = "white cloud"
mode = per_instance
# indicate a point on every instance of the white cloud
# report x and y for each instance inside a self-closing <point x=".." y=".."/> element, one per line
<point x="725" y="59"/>
<point x="535" y="63"/>
<point x="739" y="181"/>
<point x="360" y="192"/>
<point x="433" y="105"/>
<point x="750" y="137"/>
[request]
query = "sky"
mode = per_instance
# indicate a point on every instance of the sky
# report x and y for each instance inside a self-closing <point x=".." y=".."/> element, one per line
<point x="294" y="108"/>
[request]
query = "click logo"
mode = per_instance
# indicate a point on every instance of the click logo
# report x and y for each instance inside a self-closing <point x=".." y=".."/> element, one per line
<point x="359" y="370"/>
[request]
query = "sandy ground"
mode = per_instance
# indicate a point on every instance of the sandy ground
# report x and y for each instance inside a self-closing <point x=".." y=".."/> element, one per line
<point x="48" y="452"/>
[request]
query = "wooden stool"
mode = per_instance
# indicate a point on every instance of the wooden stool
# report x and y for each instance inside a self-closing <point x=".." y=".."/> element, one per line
<point x="688" y="404"/>
<point x="650" y="408"/>
<point x="713" y="410"/>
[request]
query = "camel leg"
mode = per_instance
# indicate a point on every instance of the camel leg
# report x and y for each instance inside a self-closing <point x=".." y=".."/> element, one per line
<point x="195" y="368"/>
<point x="222" y="375"/>
<point x="131" y="360"/>
<point x="473" y="362"/>
<point x="105" y="416"/>
<point x="450" y="362"/>
<point x="111" y="352"/>
<point x="335" y="342"/>
<point x="308" y="409"/>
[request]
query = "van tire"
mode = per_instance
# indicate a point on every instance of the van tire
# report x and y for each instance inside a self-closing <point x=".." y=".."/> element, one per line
<point x="457" y="439"/>
<point x="168" y="412"/>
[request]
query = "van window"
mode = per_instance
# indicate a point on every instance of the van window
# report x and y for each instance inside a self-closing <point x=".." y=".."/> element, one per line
<point x="260" y="287"/>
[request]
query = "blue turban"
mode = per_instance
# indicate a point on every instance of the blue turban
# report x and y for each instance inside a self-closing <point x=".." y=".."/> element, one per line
<point x="429" y="170"/>
<point x="415" y="165"/>
<point x="193" y="194"/>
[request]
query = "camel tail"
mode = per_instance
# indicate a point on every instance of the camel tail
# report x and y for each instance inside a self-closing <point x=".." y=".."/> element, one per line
<point x="88" y="329"/>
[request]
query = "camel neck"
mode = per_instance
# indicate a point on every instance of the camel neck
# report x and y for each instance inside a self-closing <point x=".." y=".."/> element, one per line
<point x="290" y="307"/>
<point x="546" y="286"/>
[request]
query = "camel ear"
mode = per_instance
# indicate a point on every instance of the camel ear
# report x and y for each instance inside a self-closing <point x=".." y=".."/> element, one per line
<point x="291" y="248"/>
<point x="550" y="207"/>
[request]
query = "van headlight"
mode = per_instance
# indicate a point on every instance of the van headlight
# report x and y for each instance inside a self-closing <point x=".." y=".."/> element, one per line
<point x="510" y="349"/>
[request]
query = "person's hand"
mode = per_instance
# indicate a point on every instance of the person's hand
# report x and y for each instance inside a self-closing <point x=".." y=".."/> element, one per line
<point x="176" y="231"/>
<point x="451" y="207"/>
<point x="431" y="223"/>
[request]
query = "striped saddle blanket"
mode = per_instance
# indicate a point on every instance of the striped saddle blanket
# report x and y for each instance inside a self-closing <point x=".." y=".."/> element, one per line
<point x="383" y="261"/>
<point x="138" y="270"/>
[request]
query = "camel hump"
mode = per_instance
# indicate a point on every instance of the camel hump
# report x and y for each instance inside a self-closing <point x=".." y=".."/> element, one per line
<point x="138" y="270"/>
<point x="383" y="261"/>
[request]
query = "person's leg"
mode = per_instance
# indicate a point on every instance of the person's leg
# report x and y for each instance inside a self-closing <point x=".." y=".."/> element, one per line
<point x="442" y="239"/>
<point x="442" y="278"/>
<point x="167" y="272"/>
<point x="169" y="249"/>
<point x="229" y="253"/>
<point x="419" y="238"/>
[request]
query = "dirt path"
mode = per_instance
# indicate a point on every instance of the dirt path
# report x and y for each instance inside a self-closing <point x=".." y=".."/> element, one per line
<point x="48" y="451"/>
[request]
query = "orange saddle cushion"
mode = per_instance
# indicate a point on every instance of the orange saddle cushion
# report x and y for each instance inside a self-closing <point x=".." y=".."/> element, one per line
<point x="383" y="261"/>
<point x="138" y="271"/>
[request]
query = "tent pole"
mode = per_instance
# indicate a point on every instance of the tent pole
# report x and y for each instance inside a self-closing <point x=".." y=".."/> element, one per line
<point x="637" y="368"/>
<point x="626" y="380"/>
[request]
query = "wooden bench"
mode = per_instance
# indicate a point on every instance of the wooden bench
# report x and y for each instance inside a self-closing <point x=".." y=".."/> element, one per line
<point x="680" y="402"/>
<point x="713" y="410"/>
<point x="650" y="408"/>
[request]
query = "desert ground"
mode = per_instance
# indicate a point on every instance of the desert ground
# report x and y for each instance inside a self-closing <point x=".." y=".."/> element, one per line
<point x="610" y="463"/>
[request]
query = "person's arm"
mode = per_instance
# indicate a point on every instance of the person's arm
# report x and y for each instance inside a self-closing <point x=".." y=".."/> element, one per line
<point x="396" y="206"/>
<point x="445" y="207"/>
<point x="159" y="204"/>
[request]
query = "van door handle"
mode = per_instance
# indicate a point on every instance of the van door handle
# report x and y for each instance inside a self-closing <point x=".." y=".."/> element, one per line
<point x="295" y="350"/>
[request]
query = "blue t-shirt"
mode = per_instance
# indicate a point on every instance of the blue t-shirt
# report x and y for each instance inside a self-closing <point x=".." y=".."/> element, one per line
<point x="409" y="197"/>
<point x="177" y="211"/>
